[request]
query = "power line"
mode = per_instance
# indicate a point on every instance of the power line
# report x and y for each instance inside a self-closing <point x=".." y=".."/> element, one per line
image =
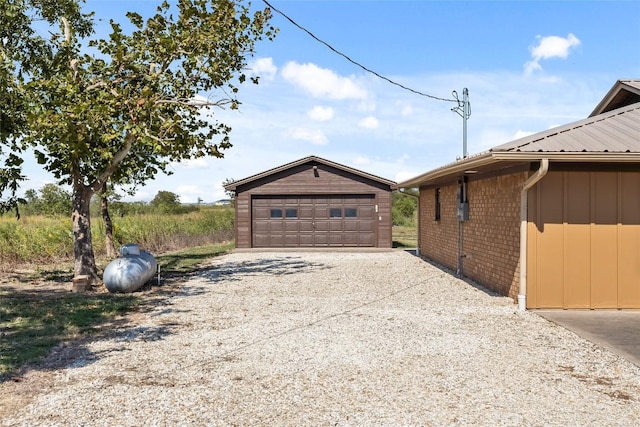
<point x="357" y="63"/>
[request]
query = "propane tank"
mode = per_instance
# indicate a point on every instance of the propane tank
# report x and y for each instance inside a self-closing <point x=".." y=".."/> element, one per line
<point x="131" y="270"/>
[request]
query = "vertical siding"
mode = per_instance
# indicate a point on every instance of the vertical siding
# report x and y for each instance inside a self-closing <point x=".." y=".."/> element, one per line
<point x="599" y="219"/>
<point x="629" y="239"/>
<point x="550" y="249"/>
<point x="577" y="239"/>
<point x="604" y="239"/>
<point x="243" y="220"/>
<point x="384" y="201"/>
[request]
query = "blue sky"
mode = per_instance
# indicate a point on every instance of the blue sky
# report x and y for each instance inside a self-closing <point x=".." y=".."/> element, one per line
<point x="528" y="65"/>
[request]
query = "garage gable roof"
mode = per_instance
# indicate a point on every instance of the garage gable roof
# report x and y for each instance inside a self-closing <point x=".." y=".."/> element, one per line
<point x="613" y="136"/>
<point x="310" y="159"/>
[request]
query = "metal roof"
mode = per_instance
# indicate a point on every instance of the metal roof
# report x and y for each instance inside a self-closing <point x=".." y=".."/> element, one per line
<point x="616" y="131"/>
<point x="310" y="159"/>
<point x="613" y="136"/>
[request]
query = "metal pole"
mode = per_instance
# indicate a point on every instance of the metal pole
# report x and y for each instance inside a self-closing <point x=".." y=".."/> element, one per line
<point x="465" y="116"/>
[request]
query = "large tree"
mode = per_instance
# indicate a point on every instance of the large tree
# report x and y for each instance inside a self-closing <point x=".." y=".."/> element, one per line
<point x="121" y="109"/>
<point x="22" y="50"/>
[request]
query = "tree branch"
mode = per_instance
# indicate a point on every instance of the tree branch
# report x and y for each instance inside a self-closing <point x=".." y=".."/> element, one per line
<point x="117" y="159"/>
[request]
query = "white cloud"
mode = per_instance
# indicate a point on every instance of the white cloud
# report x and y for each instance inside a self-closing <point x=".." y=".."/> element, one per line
<point x="321" y="82"/>
<point x="198" y="163"/>
<point x="521" y="134"/>
<point x="321" y="114"/>
<point x="407" y="110"/>
<point x="369" y="123"/>
<point x="405" y="175"/>
<point x="550" y="47"/>
<point x="361" y="160"/>
<point x="263" y="67"/>
<point x="313" y="136"/>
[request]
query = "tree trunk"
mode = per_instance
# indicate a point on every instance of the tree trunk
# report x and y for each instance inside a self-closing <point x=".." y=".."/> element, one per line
<point x="108" y="225"/>
<point x="84" y="258"/>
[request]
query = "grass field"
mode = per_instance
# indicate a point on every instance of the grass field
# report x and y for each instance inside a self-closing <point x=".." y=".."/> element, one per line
<point x="38" y="313"/>
<point x="404" y="237"/>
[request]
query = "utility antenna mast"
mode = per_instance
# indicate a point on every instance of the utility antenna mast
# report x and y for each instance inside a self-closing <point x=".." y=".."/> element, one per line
<point x="463" y="110"/>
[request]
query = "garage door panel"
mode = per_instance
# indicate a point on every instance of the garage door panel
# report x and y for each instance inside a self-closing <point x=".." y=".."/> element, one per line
<point x="321" y="212"/>
<point x="314" y="221"/>
<point x="321" y="226"/>
<point x="351" y="239"/>
<point x="335" y="226"/>
<point x="291" y="226"/>
<point x="350" y="226"/>
<point x="261" y="227"/>
<point x="261" y="213"/>
<point x="306" y="239"/>
<point x="276" y="226"/>
<point x="276" y="240"/>
<point x="366" y="212"/>
<point x="306" y="226"/>
<point x="365" y="239"/>
<point x="320" y="239"/>
<point x="306" y="212"/>
<point x="335" y="239"/>
<point x="366" y="226"/>
<point x="291" y="240"/>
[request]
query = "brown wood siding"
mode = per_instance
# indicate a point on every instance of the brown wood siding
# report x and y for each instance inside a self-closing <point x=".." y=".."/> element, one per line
<point x="304" y="180"/>
<point x="584" y="241"/>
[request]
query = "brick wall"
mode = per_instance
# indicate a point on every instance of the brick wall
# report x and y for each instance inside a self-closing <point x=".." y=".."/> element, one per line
<point x="491" y="236"/>
<point x="439" y="239"/>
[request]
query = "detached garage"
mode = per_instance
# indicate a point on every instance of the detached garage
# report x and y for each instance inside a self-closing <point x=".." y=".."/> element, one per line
<point x="313" y="202"/>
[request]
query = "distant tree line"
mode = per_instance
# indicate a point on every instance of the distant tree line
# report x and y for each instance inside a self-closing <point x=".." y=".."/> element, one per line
<point x="54" y="200"/>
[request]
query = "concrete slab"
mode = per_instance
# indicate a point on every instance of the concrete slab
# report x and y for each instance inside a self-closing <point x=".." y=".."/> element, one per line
<point x="616" y="330"/>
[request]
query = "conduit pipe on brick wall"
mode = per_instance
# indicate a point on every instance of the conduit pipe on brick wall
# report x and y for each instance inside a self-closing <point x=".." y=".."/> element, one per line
<point x="542" y="171"/>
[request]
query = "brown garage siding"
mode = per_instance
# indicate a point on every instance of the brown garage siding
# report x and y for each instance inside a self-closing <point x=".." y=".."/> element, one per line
<point x="304" y="180"/>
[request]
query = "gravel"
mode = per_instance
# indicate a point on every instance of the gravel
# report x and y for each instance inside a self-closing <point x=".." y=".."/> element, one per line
<point x="340" y="339"/>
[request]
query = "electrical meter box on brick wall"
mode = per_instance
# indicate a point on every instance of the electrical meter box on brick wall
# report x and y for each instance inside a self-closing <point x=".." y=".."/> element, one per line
<point x="463" y="211"/>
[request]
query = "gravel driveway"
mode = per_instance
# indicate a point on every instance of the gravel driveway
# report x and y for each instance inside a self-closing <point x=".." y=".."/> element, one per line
<point x="346" y="339"/>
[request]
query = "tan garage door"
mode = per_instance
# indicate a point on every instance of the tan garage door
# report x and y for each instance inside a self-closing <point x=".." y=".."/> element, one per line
<point x="310" y="221"/>
<point x="584" y="241"/>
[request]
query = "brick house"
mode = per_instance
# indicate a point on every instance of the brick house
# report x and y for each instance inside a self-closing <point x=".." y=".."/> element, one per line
<point x="312" y="202"/>
<point x="566" y="200"/>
